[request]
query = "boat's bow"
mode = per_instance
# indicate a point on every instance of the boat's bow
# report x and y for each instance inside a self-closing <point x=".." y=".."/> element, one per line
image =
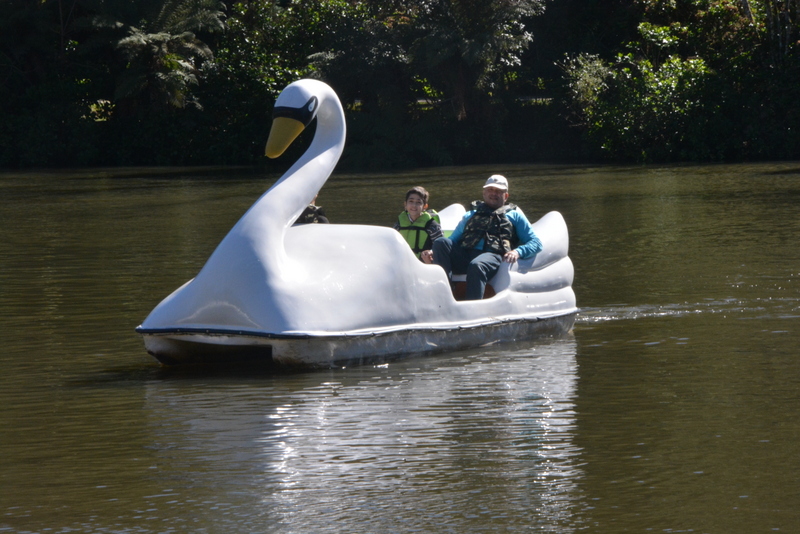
<point x="248" y="283"/>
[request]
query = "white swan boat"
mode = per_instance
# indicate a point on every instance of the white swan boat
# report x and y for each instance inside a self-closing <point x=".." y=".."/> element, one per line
<point x="325" y="295"/>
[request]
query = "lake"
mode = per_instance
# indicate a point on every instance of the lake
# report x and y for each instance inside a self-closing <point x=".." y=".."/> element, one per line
<point x="673" y="405"/>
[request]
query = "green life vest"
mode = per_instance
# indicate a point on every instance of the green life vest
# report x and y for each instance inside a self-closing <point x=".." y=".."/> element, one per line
<point x="492" y="226"/>
<point x="415" y="233"/>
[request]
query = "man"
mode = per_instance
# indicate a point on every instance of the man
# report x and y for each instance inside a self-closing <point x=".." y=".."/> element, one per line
<point x="490" y="233"/>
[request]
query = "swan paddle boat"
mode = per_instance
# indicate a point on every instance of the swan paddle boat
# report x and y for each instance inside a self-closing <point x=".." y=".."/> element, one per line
<point x="327" y="295"/>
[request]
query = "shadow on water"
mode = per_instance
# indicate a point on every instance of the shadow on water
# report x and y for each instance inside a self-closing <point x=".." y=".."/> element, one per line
<point x="781" y="172"/>
<point x="156" y="372"/>
<point x="267" y="370"/>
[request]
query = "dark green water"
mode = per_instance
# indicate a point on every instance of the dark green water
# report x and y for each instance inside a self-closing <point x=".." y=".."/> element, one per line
<point x="673" y="407"/>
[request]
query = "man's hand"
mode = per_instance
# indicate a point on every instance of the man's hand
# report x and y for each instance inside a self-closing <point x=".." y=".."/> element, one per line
<point x="427" y="256"/>
<point x="511" y="256"/>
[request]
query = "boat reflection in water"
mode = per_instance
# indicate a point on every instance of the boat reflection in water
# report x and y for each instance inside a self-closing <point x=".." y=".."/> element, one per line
<point x="463" y="441"/>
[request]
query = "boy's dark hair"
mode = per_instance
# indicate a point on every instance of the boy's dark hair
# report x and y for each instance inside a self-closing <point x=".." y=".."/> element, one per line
<point x="418" y="190"/>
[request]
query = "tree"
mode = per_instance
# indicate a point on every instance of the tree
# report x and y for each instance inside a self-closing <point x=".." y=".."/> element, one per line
<point x="164" y="55"/>
<point x="782" y="26"/>
<point x="439" y="71"/>
<point x="641" y="112"/>
<point x="45" y="84"/>
<point x="464" y="48"/>
<point x="696" y="85"/>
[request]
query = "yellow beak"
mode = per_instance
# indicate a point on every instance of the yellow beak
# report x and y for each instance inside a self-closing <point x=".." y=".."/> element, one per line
<point x="284" y="130"/>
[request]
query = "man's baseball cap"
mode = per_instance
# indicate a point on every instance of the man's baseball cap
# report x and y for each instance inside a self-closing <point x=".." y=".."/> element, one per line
<point x="497" y="180"/>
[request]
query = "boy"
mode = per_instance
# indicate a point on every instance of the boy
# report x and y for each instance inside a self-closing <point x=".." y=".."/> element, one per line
<point x="419" y="226"/>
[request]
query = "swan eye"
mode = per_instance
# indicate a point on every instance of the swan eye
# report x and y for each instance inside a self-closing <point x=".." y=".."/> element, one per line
<point x="304" y="114"/>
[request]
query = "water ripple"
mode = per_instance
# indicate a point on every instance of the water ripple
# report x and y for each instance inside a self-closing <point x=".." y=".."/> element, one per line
<point x="784" y="307"/>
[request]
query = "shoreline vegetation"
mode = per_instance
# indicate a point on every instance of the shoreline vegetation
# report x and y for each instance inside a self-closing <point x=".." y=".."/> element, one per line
<point x="191" y="83"/>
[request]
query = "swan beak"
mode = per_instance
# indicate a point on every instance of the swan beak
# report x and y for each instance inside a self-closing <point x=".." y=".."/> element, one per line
<point x="284" y="131"/>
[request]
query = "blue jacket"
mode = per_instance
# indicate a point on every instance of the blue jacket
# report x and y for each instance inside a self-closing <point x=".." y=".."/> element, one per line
<point x="529" y="243"/>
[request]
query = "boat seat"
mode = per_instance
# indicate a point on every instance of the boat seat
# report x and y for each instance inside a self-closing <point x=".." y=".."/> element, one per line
<point x="460" y="287"/>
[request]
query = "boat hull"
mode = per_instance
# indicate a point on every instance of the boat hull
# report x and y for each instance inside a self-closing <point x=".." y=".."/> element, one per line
<point x="188" y="346"/>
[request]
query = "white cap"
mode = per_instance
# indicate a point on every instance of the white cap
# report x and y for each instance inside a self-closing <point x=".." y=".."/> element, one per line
<point x="497" y="180"/>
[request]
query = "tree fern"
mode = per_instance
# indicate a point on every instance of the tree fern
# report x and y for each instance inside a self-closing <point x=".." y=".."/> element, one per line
<point x="164" y="57"/>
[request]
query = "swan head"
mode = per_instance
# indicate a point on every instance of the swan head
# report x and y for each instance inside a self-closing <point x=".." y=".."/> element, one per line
<point x="294" y="110"/>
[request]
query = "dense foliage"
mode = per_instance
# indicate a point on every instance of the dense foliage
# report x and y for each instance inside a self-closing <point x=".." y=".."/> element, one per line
<point x="705" y="80"/>
<point x="424" y="82"/>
